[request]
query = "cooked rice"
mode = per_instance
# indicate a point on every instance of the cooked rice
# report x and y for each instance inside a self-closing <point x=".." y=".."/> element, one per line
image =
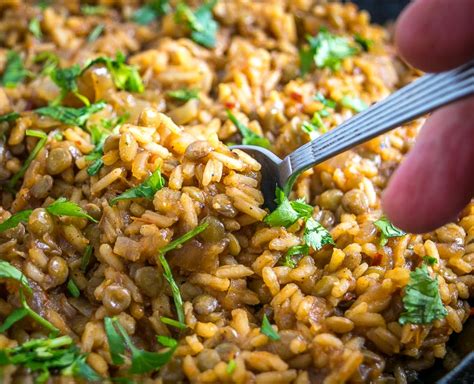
<point x="336" y="311"/>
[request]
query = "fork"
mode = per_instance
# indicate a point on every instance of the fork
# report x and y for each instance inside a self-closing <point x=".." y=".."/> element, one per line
<point x="408" y="103"/>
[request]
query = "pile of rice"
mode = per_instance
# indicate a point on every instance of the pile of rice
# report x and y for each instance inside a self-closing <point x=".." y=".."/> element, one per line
<point x="336" y="312"/>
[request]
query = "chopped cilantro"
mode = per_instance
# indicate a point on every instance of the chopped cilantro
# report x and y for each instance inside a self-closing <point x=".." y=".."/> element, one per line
<point x="96" y="32"/>
<point x="146" y="189"/>
<point x="290" y="259"/>
<point x="387" y="230"/>
<point x="231" y="365"/>
<point x="92" y="10"/>
<point x="268" y="330"/>
<point x="66" y="80"/>
<point x="422" y="302"/>
<point x="184" y="94"/>
<point x="8" y="271"/>
<point x="50" y="61"/>
<point x="63" y="207"/>
<point x="354" y="103"/>
<point x="325" y="50"/>
<point x="287" y="212"/>
<point x="47" y="356"/>
<point x="14" y="72"/>
<point x="14" y="220"/>
<point x="326" y="102"/>
<point x="430" y="260"/>
<point x="39" y="145"/>
<point x="315" y="235"/>
<point x="314" y="127"/>
<point x="364" y="43"/>
<point x="141" y="361"/>
<point x="73" y="289"/>
<point x="249" y="137"/>
<point x="201" y="22"/>
<point x="125" y="76"/>
<point x="8" y="117"/>
<point x="86" y="258"/>
<point x="35" y="28"/>
<point x="17" y="315"/>
<point x="151" y="11"/>
<point x="172" y="322"/>
<point x="71" y="116"/>
<point x="178" y="300"/>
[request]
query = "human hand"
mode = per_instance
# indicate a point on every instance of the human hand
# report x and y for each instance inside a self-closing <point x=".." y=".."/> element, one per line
<point x="436" y="180"/>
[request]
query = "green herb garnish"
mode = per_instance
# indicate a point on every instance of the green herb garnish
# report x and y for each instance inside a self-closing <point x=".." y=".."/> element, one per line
<point x="268" y="330"/>
<point x="64" y="207"/>
<point x="151" y="11"/>
<point x="248" y="136"/>
<point x="387" y="230"/>
<point x="8" y="271"/>
<point x="290" y="259"/>
<point x="178" y="300"/>
<point x="172" y="322"/>
<point x="35" y="28"/>
<point x="354" y="103"/>
<point x="201" y="22"/>
<point x="142" y="361"/>
<point x="325" y="50"/>
<point x="92" y="10"/>
<point x="46" y="356"/>
<point x="43" y="138"/>
<point x="328" y="103"/>
<point x="50" y="61"/>
<point x="430" y="260"/>
<point x="14" y="72"/>
<point x="422" y="302"/>
<point x="66" y="80"/>
<point x="314" y="127"/>
<point x="364" y="43"/>
<point x="124" y="76"/>
<point x="73" y="288"/>
<point x="8" y="117"/>
<point x="86" y="258"/>
<point x="231" y="365"/>
<point x="71" y="116"/>
<point x="14" y="220"/>
<point x="146" y="189"/>
<point x="17" y="315"/>
<point x="96" y="32"/>
<point x="184" y="94"/>
<point x="315" y="235"/>
<point x="287" y="212"/>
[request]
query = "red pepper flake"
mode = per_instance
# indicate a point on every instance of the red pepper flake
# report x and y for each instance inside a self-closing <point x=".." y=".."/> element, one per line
<point x="377" y="260"/>
<point x="229" y="104"/>
<point x="297" y="97"/>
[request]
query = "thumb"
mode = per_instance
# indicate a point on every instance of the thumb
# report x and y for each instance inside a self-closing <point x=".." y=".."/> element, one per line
<point x="436" y="180"/>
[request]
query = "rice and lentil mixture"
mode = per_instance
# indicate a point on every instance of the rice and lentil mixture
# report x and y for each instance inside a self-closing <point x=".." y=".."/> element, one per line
<point x="116" y="121"/>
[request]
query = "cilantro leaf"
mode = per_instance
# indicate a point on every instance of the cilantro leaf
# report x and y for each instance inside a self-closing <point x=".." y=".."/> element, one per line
<point x="8" y="117"/>
<point x="248" y="136"/>
<point x="178" y="300"/>
<point x="96" y="32"/>
<point x="14" y="220"/>
<point x="268" y="330"/>
<point x="86" y="258"/>
<point x="323" y="100"/>
<point x="12" y="318"/>
<point x="39" y="319"/>
<point x="116" y="343"/>
<point x="326" y="51"/>
<point x="43" y="138"/>
<point x="147" y="189"/>
<point x="172" y="322"/>
<point x="79" y="368"/>
<point x="124" y="76"/>
<point x="149" y="12"/>
<point x="430" y="260"/>
<point x="314" y="127"/>
<point x="422" y="302"/>
<point x="96" y="165"/>
<point x="184" y="94"/>
<point x="387" y="230"/>
<point x="14" y="72"/>
<point x="231" y="365"/>
<point x="287" y="212"/>
<point x="201" y="22"/>
<point x="35" y="28"/>
<point x="73" y="289"/>
<point x="364" y="43"/>
<point x="354" y="103"/>
<point x="166" y="341"/>
<point x="63" y="207"/>
<point x="66" y="80"/>
<point x="297" y="250"/>
<point x="315" y="235"/>
<point x="50" y="60"/>
<point x="8" y="271"/>
<point x="92" y="10"/>
<point x="71" y="116"/>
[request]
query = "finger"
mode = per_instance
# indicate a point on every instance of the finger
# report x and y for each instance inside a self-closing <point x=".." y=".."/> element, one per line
<point x="436" y="180"/>
<point x="436" y="35"/>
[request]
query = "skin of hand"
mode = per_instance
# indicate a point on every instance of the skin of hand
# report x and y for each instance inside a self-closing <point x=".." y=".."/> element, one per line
<point x="436" y="180"/>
